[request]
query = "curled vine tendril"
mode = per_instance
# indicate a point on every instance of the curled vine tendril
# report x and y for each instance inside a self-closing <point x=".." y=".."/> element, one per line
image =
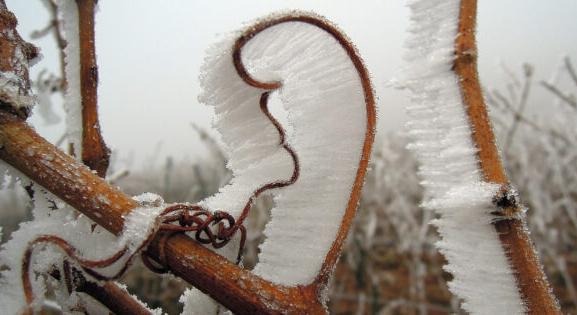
<point x="215" y="228"/>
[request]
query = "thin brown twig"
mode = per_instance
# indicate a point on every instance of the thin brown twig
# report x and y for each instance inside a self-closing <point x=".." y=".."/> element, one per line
<point x="531" y="280"/>
<point x="567" y="99"/>
<point x="112" y="296"/>
<point x="570" y="69"/>
<point x="87" y="265"/>
<point x="95" y="154"/>
<point x="54" y="28"/>
<point x="524" y="119"/>
<point x="335" y="250"/>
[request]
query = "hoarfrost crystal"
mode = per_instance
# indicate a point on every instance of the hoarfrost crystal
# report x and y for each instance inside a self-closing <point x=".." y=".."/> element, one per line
<point x="323" y="95"/>
<point x="68" y="13"/>
<point x="449" y="168"/>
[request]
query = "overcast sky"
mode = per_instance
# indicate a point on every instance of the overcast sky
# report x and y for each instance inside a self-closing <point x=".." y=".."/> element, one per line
<point x="150" y="52"/>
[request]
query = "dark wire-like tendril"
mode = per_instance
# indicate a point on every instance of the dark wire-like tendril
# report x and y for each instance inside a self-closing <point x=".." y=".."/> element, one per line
<point x="194" y="218"/>
<point x="178" y="218"/>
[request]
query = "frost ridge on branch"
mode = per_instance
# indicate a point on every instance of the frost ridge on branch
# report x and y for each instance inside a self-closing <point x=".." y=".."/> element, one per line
<point x="442" y="141"/>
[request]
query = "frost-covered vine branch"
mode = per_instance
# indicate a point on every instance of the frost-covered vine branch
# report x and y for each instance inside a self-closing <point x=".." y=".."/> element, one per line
<point x="481" y="220"/>
<point x="82" y="83"/>
<point x="238" y="289"/>
<point x="531" y="281"/>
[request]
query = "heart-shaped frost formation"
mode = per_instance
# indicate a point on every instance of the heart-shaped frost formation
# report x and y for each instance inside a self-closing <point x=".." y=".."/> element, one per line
<point x="314" y="173"/>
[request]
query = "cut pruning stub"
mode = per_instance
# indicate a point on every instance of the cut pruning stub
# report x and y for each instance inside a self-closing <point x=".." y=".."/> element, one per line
<point x="317" y="74"/>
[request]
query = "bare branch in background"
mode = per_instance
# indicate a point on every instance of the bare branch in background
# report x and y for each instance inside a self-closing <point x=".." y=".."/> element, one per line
<point x="567" y="99"/>
<point x="55" y="28"/>
<point x="570" y="69"/>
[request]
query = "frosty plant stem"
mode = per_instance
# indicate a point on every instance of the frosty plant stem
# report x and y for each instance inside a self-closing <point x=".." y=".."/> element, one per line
<point x="75" y="281"/>
<point x="529" y="275"/>
<point x="116" y="299"/>
<point x="95" y="154"/>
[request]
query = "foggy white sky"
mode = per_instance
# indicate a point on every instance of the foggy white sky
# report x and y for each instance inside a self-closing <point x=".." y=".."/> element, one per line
<point x="149" y="54"/>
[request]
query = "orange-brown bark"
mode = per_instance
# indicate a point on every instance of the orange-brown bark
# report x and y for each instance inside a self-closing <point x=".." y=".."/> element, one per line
<point x="58" y="172"/>
<point x="74" y="183"/>
<point x="95" y="154"/>
<point x="117" y="300"/>
<point x="11" y="62"/>
<point x="531" y="280"/>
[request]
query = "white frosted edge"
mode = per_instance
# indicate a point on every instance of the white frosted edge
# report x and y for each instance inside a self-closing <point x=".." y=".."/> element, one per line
<point x="62" y="223"/>
<point x="14" y="90"/>
<point x="44" y="88"/>
<point x="11" y="91"/>
<point x="323" y="95"/>
<point x="197" y="303"/>
<point x="68" y="14"/>
<point x="156" y="311"/>
<point x="441" y="139"/>
<point x="142" y="221"/>
<point x="90" y="242"/>
<point x="476" y="258"/>
<point x="324" y="98"/>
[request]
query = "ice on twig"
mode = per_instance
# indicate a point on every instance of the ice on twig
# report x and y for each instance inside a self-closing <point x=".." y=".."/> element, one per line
<point x="441" y="139"/>
<point x="45" y="87"/>
<point x="14" y="83"/>
<point x="90" y="242"/>
<point x="68" y="14"/>
<point x="142" y="222"/>
<point x="322" y="93"/>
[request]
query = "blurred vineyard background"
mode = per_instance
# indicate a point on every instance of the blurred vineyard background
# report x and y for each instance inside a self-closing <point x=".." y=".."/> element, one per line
<point x="390" y="264"/>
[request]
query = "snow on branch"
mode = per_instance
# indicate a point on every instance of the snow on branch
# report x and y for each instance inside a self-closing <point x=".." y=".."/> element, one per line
<point x="15" y="57"/>
<point x="68" y="14"/>
<point x="56" y="238"/>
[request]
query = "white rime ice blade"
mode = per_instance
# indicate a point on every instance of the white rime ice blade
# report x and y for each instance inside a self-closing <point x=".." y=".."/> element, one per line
<point x="442" y="141"/>
<point x="324" y="88"/>
<point x="68" y="14"/>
